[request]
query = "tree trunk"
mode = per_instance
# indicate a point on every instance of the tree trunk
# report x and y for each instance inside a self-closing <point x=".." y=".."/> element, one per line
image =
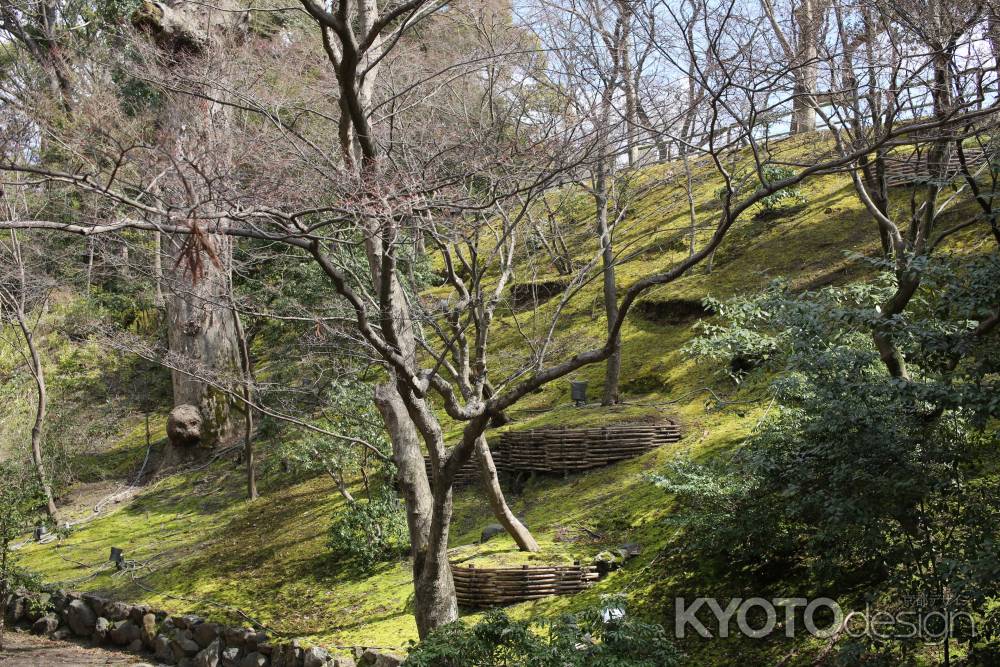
<point x="434" y="590"/>
<point x="158" y="269"/>
<point x="491" y="484"/>
<point x="4" y="589"/>
<point x="36" y="429"/>
<point x="435" y="603"/>
<point x="612" y="374"/>
<point x="201" y="331"/>
<point x="808" y="19"/>
<point x="247" y="389"/>
<point x="803" y="111"/>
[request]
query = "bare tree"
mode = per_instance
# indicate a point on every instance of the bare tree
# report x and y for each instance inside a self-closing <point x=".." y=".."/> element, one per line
<point x="17" y="295"/>
<point x="800" y="35"/>
<point x="419" y="161"/>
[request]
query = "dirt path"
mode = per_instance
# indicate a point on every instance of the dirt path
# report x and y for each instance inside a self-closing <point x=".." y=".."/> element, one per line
<point x="23" y="649"/>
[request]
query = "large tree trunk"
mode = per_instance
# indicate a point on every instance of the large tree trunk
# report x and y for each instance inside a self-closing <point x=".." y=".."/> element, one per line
<point x="434" y="588"/>
<point x="201" y="325"/>
<point x="435" y="603"/>
<point x="201" y="331"/>
<point x="808" y="18"/>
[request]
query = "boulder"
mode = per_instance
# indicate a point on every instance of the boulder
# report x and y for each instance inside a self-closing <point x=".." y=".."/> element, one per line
<point x="184" y="647"/>
<point x="162" y="650"/>
<point x="45" y="625"/>
<point x="254" y="660"/>
<point x="491" y="531"/>
<point x="315" y="657"/>
<point x="147" y="631"/>
<point x="138" y="611"/>
<point x="187" y="622"/>
<point x="344" y="662"/>
<point x="373" y="658"/>
<point x="81" y="618"/>
<point x="101" y="630"/>
<point x="236" y="636"/>
<point x="255" y="639"/>
<point x="205" y="633"/>
<point x="184" y="425"/>
<point x="230" y="657"/>
<point x="209" y="656"/>
<point x="60" y="599"/>
<point x="62" y="634"/>
<point x="124" y="633"/>
<point x="136" y="647"/>
<point x="16" y="608"/>
<point x="116" y="611"/>
<point x="95" y="602"/>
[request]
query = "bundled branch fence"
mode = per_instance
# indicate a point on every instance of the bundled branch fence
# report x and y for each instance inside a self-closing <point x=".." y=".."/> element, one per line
<point x="492" y="587"/>
<point x="466" y="475"/>
<point x="913" y="168"/>
<point x="561" y="450"/>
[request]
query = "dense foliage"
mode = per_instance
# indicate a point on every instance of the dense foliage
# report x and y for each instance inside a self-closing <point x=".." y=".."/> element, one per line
<point x="371" y="530"/>
<point x="602" y="636"/>
<point x="20" y="497"/>
<point x="877" y="489"/>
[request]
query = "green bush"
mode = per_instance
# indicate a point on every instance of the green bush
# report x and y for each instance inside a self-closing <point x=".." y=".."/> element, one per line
<point x="602" y="636"/>
<point x="371" y="531"/>
<point x="745" y="182"/>
<point x="857" y="485"/>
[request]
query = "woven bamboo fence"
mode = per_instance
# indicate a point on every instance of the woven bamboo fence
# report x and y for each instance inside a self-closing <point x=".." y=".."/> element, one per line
<point x="907" y="171"/>
<point x="560" y="450"/>
<point x="466" y="475"/>
<point x="479" y="588"/>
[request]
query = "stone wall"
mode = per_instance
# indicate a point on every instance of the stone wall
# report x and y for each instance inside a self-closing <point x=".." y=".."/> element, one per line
<point x="182" y="640"/>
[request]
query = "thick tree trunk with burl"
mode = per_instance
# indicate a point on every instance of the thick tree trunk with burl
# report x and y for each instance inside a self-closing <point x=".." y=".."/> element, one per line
<point x="202" y="332"/>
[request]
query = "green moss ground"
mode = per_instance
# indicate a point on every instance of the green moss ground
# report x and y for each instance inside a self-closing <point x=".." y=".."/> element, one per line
<point x="199" y="540"/>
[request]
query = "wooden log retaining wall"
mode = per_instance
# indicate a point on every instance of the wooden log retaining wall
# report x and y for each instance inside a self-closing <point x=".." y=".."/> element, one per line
<point x="491" y="587"/>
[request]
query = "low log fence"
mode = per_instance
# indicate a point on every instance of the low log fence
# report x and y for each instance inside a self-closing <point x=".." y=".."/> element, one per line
<point x="479" y="588"/>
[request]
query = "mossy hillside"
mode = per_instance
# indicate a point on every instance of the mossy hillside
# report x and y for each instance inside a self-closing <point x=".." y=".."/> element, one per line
<point x="202" y="541"/>
<point x="98" y="397"/>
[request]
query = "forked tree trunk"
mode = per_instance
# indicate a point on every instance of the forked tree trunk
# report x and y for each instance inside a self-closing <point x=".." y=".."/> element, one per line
<point x="435" y="603"/>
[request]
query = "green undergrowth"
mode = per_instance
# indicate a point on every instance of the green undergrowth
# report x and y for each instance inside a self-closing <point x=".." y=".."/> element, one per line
<point x="198" y="544"/>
